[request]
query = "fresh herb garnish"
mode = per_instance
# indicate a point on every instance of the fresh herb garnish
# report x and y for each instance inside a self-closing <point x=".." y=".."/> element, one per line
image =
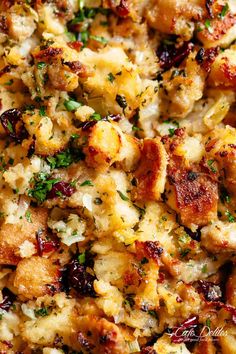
<point x="87" y="183"/>
<point x="42" y="312"/>
<point x="82" y="258"/>
<point x="210" y="164"/>
<point x="123" y="197"/>
<point x="62" y="159"/>
<point x="224" y="11"/>
<point x="72" y="105"/>
<point x="42" y="111"/>
<point x="42" y="186"/>
<point x="230" y="217"/>
<point x="96" y="116"/>
<point x="111" y="77"/>
<point x="41" y="65"/>
<point x="28" y="216"/>
<point x="99" y="39"/>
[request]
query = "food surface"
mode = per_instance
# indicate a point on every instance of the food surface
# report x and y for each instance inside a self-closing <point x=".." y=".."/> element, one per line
<point x="117" y="176"/>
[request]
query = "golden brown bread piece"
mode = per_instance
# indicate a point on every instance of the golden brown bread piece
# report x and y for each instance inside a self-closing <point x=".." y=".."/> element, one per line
<point x="12" y="236"/>
<point x="36" y="276"/>
<point x="151" y="172"/>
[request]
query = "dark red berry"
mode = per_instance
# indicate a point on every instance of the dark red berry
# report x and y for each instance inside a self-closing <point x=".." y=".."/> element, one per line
<point x="13" y="125"/>
<point x="8" y="299"/>
<point x="122" y="9"/>
<point x="210" y="291"/>
<point x="79" y="279"/>
<point x="170" y="56"/>
<point x="45" y="246"/>
<point x="61" y="189"/>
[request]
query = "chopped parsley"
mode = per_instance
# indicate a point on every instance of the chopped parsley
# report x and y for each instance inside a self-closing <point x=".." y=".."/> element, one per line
<point x="62" y="159"/>
<point x="208" y="26"/>
<point x="224" y="196"/>
<point x="230" y="217"/>
<point x="123" y="197"/>
<point x="42" y="186"/>
<point x="42" y="111"/>
<point x="87" y="183"/>
<point x="41" y="65"/>
<point x="8" y="83"/>
<point x="42" y="312"/>
<point x="111" y="77"/>
<point x="204" y="268"/>
<point x="96" y="116"/>
<point x="28" y="216"/>
<point x="171" y="132"/>
<point x="99" y="39"/>
<point x="210" y="164"/>
<point x="72" y="105"/>
<point x="82" y="258"/>
<point x="224" y="11"/>
<point x="208" y="323"/>
<point x="184" y="252"/>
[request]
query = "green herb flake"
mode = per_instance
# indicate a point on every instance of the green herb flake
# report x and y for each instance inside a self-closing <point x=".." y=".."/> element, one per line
<point x="10" y="127"/>
<point x="41" y="187"/>
<point x="111" y="77"/>
<point x="204" y="268"/>
<point x="224" y="11"/>
<point x="82" y="258"/>
<point x="41" y="65"/>
<point x="208" y="26"/>
<point x="8" y="83"/>
<point x="87" y="183"/>
<point x="123" y="197"/>
<point x="72" y="105"/>
<point x="62" y="159"/>
<point x="99" y="39"/>
<point x="171" y="132"/>
<point x="28" y="216"/>
<point x="42" y="312"/>
<point x="210" y="164"/>
<point x="96" y="116"/>
<point x="208" y="323"/>
<point x="230" y="217"/>
<point x="42" y="111"/>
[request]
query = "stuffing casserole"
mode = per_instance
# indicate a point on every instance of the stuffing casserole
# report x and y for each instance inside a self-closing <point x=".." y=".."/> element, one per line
<point x="117" y="176"/>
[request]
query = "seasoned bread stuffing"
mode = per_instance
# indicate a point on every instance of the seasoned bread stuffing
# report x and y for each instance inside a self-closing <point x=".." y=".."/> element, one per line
<point x="117" y="177"/>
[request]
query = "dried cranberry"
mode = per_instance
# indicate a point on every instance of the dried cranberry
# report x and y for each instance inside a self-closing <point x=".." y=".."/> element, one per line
<point x="12" y="124"/>
<point x="195" y="235"/>
<point x="211" y="291"/>
<point x="209" y="4"/>
<point x="87" y="125"/>
<point x="31" y="149"/>
<point x="5" y="70"/>
<point x="8" y="299"/>
<point x="79" y="279"/>
<point x="178" y="335"/>
<point x="61" y="188"/>
<point x="170" y="56"/>
<point x="122" y="9"/>
<point x="206" y="57"/>
<point x="45" y="246"/>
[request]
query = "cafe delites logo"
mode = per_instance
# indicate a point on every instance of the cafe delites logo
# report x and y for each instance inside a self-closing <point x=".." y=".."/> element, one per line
<point x="191" y="331"/>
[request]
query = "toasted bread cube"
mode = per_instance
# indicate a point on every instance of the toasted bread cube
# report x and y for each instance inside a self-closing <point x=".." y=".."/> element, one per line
<point x="223" y="70"/>
<point x="12" y="236"/>
<point x="151" y="173"/>
<point x="36" y="276"/>
<point x="113" y="342"/>
<point x="103" y="145"/>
